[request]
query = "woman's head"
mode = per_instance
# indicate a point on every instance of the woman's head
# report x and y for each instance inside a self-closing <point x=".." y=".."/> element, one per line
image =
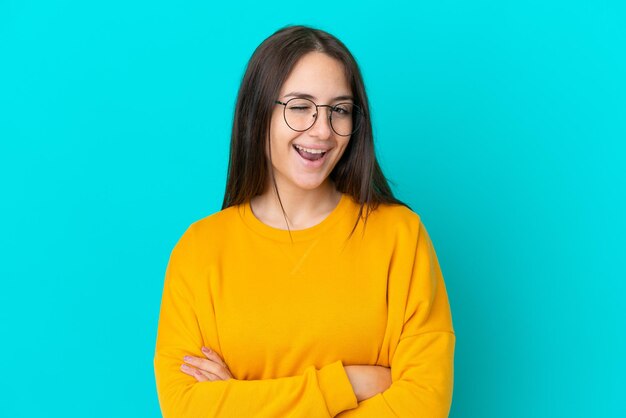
<point x="313" y="108"/>
<point x="261" y="135"/>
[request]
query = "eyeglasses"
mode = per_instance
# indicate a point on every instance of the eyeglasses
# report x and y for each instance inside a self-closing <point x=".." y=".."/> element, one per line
<point x="300" y="115"/>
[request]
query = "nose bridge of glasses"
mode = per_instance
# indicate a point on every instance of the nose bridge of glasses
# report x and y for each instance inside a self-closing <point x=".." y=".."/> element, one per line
<point x="329" y="111"/>
<point x="326" y="121"/>
<point x="316" y="114"/>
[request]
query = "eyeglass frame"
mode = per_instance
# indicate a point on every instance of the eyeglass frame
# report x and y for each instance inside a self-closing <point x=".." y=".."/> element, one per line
<point x="330" y="114"/>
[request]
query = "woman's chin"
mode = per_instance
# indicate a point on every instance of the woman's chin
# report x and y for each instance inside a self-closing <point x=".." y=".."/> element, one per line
<point x="310" y="184"/>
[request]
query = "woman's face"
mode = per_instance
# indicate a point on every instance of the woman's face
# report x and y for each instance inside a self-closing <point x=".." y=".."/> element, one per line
<point x="320" y="78"/>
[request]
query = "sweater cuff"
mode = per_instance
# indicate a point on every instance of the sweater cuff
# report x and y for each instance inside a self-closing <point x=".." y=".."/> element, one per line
<point x="336" y="388"/>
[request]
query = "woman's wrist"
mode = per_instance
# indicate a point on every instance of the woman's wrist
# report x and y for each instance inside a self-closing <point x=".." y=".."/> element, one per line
<point x="367" y="380"/>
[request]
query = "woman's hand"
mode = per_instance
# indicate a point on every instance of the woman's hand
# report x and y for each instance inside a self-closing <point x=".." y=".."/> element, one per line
<point x="206" y="369"/>
<point x="368" y="381"/>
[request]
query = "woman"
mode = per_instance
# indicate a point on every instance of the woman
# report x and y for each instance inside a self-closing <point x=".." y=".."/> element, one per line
<point x="314" y="292"/>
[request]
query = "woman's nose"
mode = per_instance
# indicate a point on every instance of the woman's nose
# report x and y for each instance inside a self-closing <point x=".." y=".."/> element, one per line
<point x="321" y="127"/>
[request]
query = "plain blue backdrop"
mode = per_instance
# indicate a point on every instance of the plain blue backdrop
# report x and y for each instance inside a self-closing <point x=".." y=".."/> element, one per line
<point x="502" y="123"/>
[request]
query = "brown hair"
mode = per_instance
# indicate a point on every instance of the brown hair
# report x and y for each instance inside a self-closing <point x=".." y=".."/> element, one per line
<point x="357" y="173"/>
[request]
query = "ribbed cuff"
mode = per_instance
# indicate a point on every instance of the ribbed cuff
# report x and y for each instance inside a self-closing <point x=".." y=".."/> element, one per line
<point x="336" y="388"/>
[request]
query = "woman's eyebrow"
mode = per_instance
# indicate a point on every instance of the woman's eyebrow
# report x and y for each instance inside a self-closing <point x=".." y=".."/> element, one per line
<point x="310" y="97"/>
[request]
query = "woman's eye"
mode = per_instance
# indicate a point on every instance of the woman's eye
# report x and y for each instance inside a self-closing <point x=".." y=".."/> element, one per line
<point x="299" y="108"/>
<point x="341" y="110"/>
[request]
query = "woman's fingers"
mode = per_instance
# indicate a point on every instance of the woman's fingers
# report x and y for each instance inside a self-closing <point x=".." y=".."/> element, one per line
<point x="210" y="366"/>
<point x="206" y="369"/>
<point x="212" y="355"/>
<point x="199" y="375"/>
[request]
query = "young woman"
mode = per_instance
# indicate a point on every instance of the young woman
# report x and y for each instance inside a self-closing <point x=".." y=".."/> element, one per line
<point x="314" y="292"/>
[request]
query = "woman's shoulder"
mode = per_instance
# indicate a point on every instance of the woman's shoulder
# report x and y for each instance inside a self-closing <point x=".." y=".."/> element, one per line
<point x="217" y="220"/>
<point x="211" y="228"/>
<point x="394" y="215"/>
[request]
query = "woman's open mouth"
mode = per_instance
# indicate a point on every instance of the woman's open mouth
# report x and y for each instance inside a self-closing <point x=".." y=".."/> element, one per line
<point x="309" y="153"/>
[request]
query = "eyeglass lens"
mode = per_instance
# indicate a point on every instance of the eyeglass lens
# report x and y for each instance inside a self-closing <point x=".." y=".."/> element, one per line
<point x="300" y="115"/>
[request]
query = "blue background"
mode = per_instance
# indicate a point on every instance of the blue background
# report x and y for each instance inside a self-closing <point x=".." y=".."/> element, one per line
<point x="502" y="123"/>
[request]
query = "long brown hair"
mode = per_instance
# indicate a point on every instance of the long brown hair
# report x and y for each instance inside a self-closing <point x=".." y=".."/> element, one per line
<point x="357" y="173"/>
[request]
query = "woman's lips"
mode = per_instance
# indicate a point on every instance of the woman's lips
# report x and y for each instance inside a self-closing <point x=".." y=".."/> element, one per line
<point x="310" y="154"/>
<point x="311" y="160"/>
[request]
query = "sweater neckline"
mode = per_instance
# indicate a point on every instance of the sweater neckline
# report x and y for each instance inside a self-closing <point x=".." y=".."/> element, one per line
<point x="250" y="219"/>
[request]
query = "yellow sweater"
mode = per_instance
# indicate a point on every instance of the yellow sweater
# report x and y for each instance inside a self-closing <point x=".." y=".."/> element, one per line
<point x="287" y="313"/>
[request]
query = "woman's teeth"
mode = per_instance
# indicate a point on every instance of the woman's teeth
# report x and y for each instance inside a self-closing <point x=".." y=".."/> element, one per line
<point x="310" y="150"/>
<point x="310" y="154"/>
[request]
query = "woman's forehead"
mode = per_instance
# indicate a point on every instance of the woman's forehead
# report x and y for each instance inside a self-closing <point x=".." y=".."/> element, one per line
<point x="317" y="76"/>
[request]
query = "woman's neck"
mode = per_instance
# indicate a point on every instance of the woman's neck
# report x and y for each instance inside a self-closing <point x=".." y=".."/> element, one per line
<point x="302" y="208"/>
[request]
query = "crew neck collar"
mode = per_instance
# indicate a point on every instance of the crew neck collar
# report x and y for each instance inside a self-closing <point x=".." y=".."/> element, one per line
<point x="245" y="211"/>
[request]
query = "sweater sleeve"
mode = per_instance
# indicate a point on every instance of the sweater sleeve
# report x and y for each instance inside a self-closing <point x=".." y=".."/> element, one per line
<point x="317" y="392"/>
<point x="423" y="360"/>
